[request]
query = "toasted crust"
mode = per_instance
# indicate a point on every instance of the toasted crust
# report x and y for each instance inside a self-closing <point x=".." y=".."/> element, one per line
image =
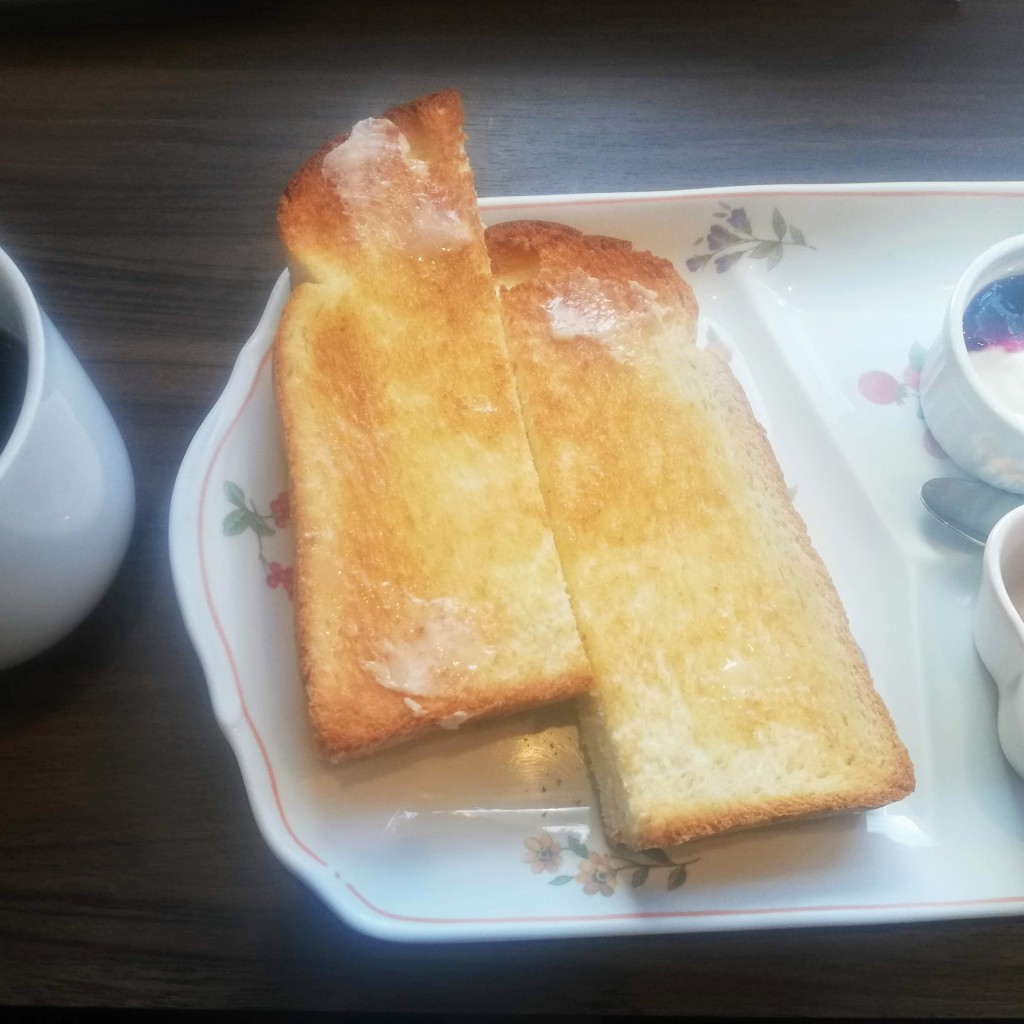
<point x="427" y="586"/>
<point x="728" y="690"/>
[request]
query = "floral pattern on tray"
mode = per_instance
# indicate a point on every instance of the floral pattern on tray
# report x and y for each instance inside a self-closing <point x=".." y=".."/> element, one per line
<point x="733" y="237"/>
<point x="599" y="872"/>
<point x="882" y="388"/>
<point x="912" y="862"/>
<point x="246" y="516"/>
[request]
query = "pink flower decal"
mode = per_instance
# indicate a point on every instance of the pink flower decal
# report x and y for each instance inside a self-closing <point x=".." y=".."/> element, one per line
<point x="599" y="872"/>
<point x="543" y="853"/>
<point x="912" y="378"/>
<point x="883" y="388"/>
<point x="597" y="875"/>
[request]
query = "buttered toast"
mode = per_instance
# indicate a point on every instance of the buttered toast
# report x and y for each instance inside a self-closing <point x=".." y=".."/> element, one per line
<point x="728" y="691"/>
<point x="427" y="587"/>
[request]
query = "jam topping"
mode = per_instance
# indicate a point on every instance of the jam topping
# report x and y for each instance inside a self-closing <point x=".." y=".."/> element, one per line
<point x="995" y="316"/>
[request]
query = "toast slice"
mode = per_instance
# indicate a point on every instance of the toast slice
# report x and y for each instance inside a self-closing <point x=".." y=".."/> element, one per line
<point x="728" y="690"/>
<point x="427" y="585"/>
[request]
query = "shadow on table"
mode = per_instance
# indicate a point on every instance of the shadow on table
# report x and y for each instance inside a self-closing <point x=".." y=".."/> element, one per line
<point x="36" y="687"/>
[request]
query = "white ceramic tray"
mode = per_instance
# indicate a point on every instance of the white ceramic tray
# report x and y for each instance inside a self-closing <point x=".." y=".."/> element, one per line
<point x="826" y="297"/>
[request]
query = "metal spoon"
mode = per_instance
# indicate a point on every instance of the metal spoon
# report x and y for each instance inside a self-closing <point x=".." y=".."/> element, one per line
<point x="969" y="507"/>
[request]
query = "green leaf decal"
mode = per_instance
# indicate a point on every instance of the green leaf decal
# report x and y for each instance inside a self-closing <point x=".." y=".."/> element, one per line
<point x="577" y="847"/>
<point x="764" y="249"/>
<point x="797" y="235"/>
<point x="259" y="526"/>
<point x="677" y="878"/>
<point x="658" y="856"/>
<point x="713" y="336"/>
<point x="560" y="880"/>
<point x="640" y="876"/>
<point x="779" y="224"/>
<point x="696" y="263"/>
<point x="236" y="522"/>
<point x="234" y="494"/>
<point x="918" y="354"/>
<point x="775" y="258"/>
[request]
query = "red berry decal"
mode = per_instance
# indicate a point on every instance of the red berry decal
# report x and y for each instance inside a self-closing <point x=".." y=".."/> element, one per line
<point x="245" y="516"/>
<point x="281" y="510"/>
<point x="881" y="388"/>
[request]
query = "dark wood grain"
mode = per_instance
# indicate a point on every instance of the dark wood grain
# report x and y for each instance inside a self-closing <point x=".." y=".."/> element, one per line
<point x="142" y="150"/>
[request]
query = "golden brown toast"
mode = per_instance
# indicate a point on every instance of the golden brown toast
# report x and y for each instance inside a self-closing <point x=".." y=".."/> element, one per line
<point x="728" y="690"/>
<point x="428" y="589"/>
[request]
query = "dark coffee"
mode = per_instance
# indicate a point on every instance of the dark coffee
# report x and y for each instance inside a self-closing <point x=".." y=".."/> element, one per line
<point x="13" y="378"/>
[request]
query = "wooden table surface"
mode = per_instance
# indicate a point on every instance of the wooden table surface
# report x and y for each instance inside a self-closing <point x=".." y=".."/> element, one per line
<point x="142" y="151"/>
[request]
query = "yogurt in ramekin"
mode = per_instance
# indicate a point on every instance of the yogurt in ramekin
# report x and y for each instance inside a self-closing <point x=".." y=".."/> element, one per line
<point x="994" y="336"/>
<point x="972" y="383"/>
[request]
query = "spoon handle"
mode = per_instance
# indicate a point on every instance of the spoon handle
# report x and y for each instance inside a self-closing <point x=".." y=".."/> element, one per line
<point x="969" y="507"/>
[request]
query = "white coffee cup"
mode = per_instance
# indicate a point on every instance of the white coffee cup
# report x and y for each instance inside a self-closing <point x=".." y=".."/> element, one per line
<point x="999" y="628"/>
<point x="67" y="498"/>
